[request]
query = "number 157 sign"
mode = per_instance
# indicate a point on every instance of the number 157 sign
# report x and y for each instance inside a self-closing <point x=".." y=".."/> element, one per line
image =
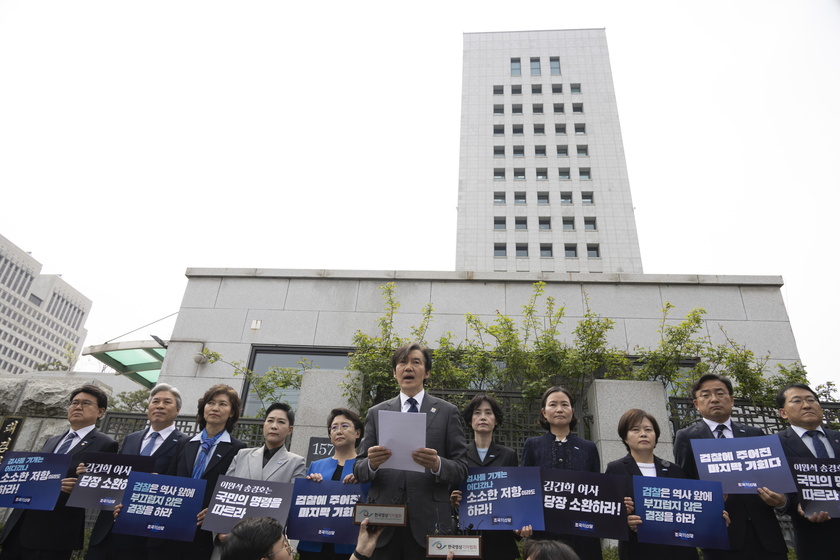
<point x="319" y="448"/>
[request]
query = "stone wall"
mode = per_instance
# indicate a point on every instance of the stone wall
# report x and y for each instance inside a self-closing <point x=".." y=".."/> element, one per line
<point x="42" y="403"/>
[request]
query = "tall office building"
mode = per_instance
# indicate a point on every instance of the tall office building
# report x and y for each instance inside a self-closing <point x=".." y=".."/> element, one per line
<point x="42" y="317"/>
<point x="543" y="181"/>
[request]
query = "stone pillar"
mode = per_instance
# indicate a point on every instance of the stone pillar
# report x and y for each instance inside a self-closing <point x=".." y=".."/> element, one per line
<point x="610" y="398"/>
<point x="320" y="392"/>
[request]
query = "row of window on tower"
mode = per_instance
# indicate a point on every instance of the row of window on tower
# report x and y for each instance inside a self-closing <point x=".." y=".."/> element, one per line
<point x="520" y="223"/>
<point x="564" y="173"/>
<point x="538" y="109"/>
<point x="536" y="89"/>
<point x="520" y="197"/>
<point x="570" y="250"/>
<point x="538" y="128"/>
<point x="535" y="66"/>
<point x="562" y="150"/>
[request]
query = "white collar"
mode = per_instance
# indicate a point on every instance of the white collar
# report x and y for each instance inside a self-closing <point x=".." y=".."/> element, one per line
<point x="800" y="431"/>
<point x="418" y="397"/>
<point x="712" y="424"/>
<point x="164" y="433"/>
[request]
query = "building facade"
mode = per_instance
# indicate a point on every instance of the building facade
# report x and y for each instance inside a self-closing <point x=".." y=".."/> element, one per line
<point x="42" y="317"/>
<point x="263" y="317"/>
<point x="543" y="183"/>
<point x="543" y="197"/>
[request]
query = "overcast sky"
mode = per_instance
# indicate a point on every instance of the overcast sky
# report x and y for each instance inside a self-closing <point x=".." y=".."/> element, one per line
<point x="139" y="138"/>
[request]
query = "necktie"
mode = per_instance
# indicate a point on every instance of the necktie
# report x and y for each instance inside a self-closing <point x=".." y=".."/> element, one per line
<point x="413" y="403"/>
<point x="719" y="431"/>
<point x="147" y="450"/>
<point x="65" y="445"/>
<point x="819" y="446"/>
<point x="207" y="444"/>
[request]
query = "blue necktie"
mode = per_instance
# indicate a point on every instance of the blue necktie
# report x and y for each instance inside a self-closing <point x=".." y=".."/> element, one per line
<point x="819" y="446"/>
<point x="65" y="446"/>
<point x="719" y="430"/>
<point x="147" y="450"/>
<point x="413" y="403"/>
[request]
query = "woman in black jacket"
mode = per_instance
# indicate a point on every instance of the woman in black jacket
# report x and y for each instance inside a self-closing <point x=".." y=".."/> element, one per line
<point x="483" y="414"/>
<point x="639" y="431"/>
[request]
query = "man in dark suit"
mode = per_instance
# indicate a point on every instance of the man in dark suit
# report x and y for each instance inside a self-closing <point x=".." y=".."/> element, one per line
<point x="53" y="535"/>
<point x="817" y="534"/>
<point x="425" y="494"/>
<point x="754" y="532"/>
<point x="159" y="440"/>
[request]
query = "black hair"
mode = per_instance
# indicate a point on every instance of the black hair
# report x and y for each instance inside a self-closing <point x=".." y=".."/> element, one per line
<point x="252" y="539"/>
<point x="476" y="402"/>
<point x="235" y="405"/>
<point x="780" y="397"/>
<point x="544" y="399"/>
<point x="711" y="377"/>
<point x="402" y="353"/>
<point x="548" y="550"/>
<point x="90" y="389"/>
<point x="290" y="414"/>
<point x="350" y="415"/>
<point x="631" y="418"/>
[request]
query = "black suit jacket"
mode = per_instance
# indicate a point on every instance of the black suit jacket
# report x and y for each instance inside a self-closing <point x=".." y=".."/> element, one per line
<point x="632" y="549"/>
<point x="426" y="495"/>
<point x="131" y="446"/>
<point x="741" y="507"/>
<point x="811" y="540"/>
<point x="63" y="527"/>
<point x="497" y="456"/>
<point x="497" y="545"/>
<point x="201" y="548"/>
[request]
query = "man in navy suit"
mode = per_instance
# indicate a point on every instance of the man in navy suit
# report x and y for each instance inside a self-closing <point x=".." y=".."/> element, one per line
<point x="754" y="532"/>
<point x="53" y="535"/>
<point x="159" y="440"/>
<point x="817" y="534"/>
<point x="425" y="494"/>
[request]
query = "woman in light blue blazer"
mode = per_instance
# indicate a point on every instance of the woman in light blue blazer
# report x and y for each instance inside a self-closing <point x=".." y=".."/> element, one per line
<point x="345" y="430"/>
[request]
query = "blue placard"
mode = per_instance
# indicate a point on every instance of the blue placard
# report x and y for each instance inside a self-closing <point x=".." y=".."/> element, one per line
<point x="235" y="499"/>
<point x="818" y="483"/>
<point x="681" y="512"/>
<point x="106" y="478"/>
<point x="584" y="503"/>
<point x="160" y="506"/>
<point x="501" y="499"/>
<point x="743" y="465"/>
<point x="323" y="511"/>
<point x="32" y="480"/>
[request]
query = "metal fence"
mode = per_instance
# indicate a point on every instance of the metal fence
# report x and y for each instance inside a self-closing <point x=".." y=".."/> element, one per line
<point x="683" y="413"/>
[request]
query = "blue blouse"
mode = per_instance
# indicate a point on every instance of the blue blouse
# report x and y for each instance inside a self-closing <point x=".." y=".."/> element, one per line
<point x="326" y="468"/>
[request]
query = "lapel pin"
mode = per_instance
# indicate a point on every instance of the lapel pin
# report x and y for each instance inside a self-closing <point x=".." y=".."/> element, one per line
<point x="434" y="410"/>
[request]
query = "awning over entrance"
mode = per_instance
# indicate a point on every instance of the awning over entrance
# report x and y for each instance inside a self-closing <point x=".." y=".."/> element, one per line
<point x="140" y="361"/>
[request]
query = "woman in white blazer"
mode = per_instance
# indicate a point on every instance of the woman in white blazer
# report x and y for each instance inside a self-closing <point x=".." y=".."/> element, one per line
<point x="271" y="461"/>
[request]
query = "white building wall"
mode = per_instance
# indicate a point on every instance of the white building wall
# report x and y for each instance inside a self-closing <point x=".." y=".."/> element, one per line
<point x="326" y="308"/>
<point x="584" y="60"/>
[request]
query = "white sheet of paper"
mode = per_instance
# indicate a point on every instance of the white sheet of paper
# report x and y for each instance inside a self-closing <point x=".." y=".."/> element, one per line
<point x="402" y="433"/>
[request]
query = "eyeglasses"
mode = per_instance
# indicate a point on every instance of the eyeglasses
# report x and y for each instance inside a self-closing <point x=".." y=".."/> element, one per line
<point x="718" y="393"/>
<point x="287" y="548"/>
<point x="797" y="401"/>
<point x="81" y="404"/>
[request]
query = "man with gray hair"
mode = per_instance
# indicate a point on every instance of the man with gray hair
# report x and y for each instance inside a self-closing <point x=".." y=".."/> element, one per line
<point x="159" y="440"/>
